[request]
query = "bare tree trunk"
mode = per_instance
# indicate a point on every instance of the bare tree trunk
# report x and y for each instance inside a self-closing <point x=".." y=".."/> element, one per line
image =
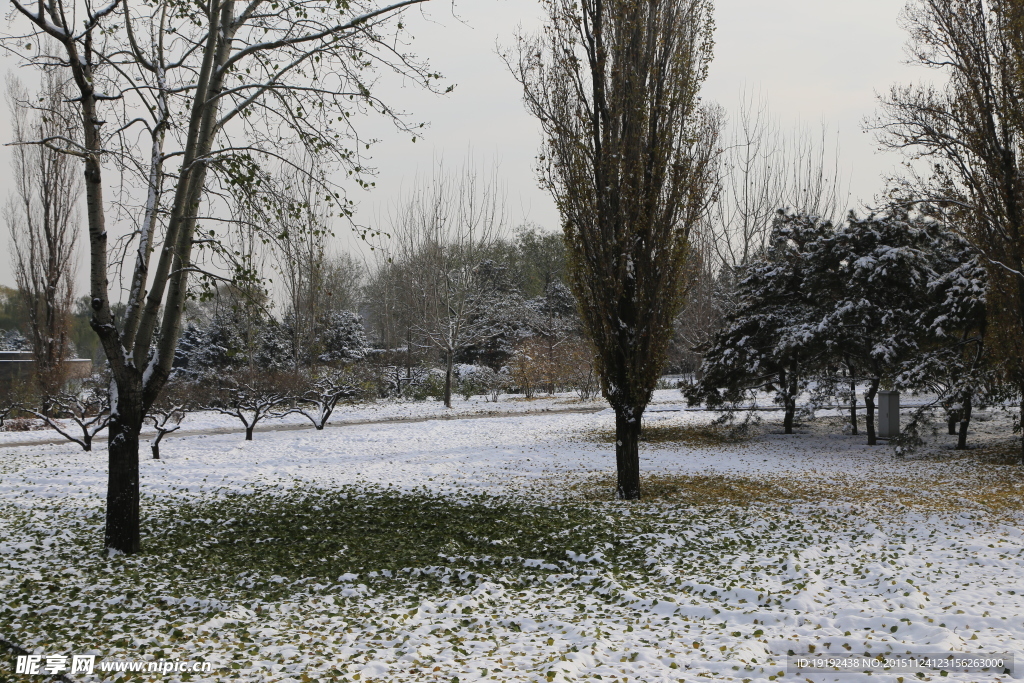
<point x="853" y="399"/>
<point x="853" y="408"/>
<point x="789" y="388"/>
<point x="122" y="523"/>
<point x="155" y="447"/>
<point x="869" y="404"/>
<point x="408" y="356"/>
<point x="449" y="367"/>
<point x="965" y="421"/>
<point x="627" y="452"/>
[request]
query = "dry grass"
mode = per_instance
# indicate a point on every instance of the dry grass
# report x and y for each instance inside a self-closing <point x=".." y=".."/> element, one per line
<point x="1001" y="453"/>
<point x="986" y="479"/>
<point x="682" y="435"/>
<point x="694" y="489"/>
<point x="990" y="489"/>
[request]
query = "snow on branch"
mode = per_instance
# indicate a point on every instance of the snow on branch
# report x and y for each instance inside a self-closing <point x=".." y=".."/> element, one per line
<point x="321" y="396"/>
<point x="250" y="396"/>
<point x="88" y="409"/>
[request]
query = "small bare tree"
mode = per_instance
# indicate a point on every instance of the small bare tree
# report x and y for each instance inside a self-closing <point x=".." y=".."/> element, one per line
<point x="630" y="159"/>
<point x="579" y="371"/>
<point x="177" y="400"/>
<point x="529" y="366"/>
<point x="42" y="221"/>
<point x="250" y="396"/>
<point x="86" y="407"/>
<point x="318" y="395"/>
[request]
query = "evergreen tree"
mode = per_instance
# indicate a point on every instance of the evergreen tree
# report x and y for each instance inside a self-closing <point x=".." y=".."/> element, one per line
<point x="954" y="361"/>
<point x="874" y="274"/>
<point x="771" y="340"/>
<point x="341" y="337"/>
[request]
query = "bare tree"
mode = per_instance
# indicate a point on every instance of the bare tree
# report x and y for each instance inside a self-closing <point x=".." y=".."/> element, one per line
<point x="441" y="234"/>
<point x="87" y="408"/>
<point x="217" y="89"/>
<point x="320" y="393"/>
<point x="965" y="138"/>
<point x="763" y="169"/>
<point x="250" y="396"/>
<point x="177" y="400"/>
<point x="630" y="159"/>
<point x="42" y="220"/>
<point x="303" y="226"/>
<point x="314" y="282"/>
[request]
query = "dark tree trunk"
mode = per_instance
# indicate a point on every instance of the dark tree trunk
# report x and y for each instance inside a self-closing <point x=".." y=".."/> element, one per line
<point x="155" y="447"/>
<point x="86" y="442"/>
<point x="122" y="530"/>
<point x="853" y="404"/>
<point x="789" y="388"/>
<point x="869" y="409"/>
<point x="449" y="363"/>
<point x="627" y="452"/>
<point x="965" y="421"/>
<point x="248" y="432"/>
<point x="951" y="420"/>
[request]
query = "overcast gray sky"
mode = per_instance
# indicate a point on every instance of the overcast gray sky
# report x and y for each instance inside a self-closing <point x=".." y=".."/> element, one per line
<point x="813" y="60"/>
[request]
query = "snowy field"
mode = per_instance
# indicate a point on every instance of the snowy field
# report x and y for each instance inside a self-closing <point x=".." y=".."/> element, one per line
<point x="490" y="549"/>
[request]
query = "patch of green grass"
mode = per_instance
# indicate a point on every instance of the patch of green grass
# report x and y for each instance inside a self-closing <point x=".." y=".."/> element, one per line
<point x="326" y="533"/>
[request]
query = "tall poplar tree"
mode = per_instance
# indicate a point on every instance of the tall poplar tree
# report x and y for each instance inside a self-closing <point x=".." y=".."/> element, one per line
<point x="629" y="157"/>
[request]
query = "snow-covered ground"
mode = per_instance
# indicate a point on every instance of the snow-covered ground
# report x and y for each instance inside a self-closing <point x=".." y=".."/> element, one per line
<point x="761" y="545"/>
<point x="209" y="420"/>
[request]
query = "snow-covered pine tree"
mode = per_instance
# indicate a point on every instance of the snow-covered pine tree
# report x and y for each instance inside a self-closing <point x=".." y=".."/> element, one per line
<point x="873" y="276"/>
<point x="341" y="336"/>
<point x="954" y="362"/>
<point x="13" y="340"/>
<point x="770" y="340"/>
<point x="226" y="341"/>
